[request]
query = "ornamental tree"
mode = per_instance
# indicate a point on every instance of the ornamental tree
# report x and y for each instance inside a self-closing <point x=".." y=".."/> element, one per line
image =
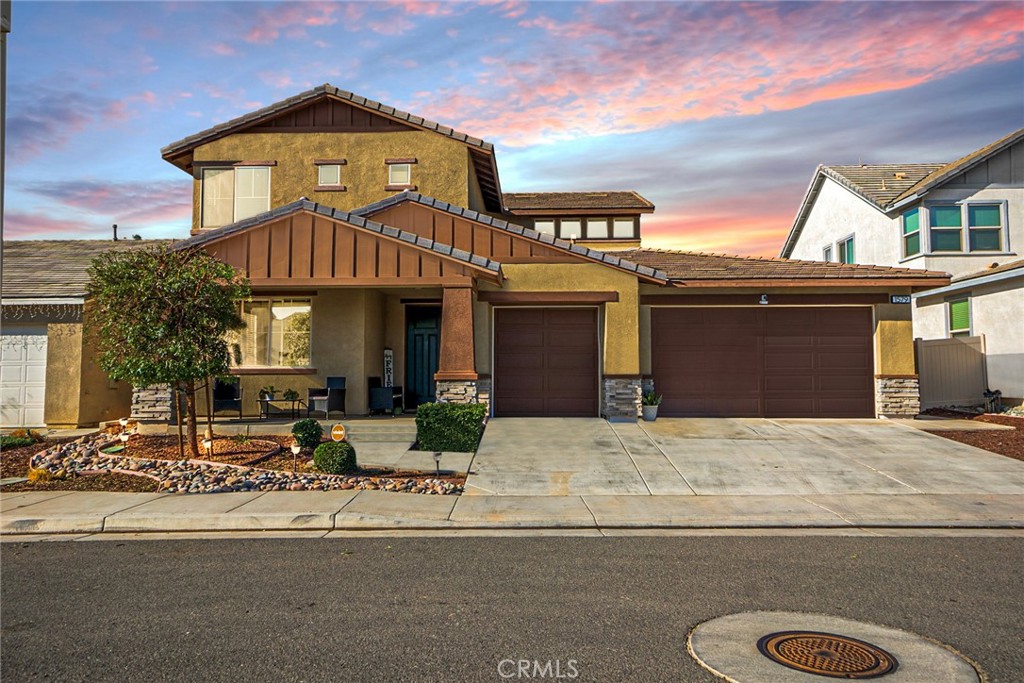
<point x="161" y="315"/>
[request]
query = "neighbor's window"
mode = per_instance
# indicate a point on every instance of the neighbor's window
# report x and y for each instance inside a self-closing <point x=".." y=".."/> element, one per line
<point x="399" y="174"/>
<point x="546" y="227"/>
<point x="277" y="333"/>
<point x="826" y="253"/>
<point x="912" y="232"/>
<point x="985" y="227"/>
<point x="946" y="228"/>
<point x="231" y="194"/>
<point x="960" y="318"/>
<point x="845" y="247"/>
<point x="329" y="174"/>
<point x="570" y="229"/>
<point x="597" y="228"/>
<point x="623" y="228"/>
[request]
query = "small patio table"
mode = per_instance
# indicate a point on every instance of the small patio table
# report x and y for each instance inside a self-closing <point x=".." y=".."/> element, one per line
<point x="295" y="406"/>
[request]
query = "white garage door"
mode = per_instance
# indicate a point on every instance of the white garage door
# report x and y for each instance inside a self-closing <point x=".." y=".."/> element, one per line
<point x="22" y="375"/>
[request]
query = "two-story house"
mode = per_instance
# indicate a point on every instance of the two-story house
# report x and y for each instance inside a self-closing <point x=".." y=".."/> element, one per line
<point x="965" y="218"/>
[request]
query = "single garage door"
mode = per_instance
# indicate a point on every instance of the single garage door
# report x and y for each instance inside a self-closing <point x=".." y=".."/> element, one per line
<point x="545" y="362"/>
<point x="763" y="362"/>
<point x="22" y="375"/>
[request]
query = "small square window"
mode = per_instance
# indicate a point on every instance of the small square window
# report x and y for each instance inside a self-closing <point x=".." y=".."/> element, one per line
<point x="624" y="228"/>
<point x="329" y="174"/>
<point x="826" y="253"/>
<point x="570" y="228"/>
<point x="597" y="228"/>
<point x="399" y="174"/>
<point x="545" y="227"/>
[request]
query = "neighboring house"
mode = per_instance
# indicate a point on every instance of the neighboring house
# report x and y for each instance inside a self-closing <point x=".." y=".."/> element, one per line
<point x="368" y="231"/>
<point x="47" y="363"/>
<point x="965" y="218"/>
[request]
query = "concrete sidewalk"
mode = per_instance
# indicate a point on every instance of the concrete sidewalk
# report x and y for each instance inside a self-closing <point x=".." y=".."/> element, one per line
<point x="62" y="512"/>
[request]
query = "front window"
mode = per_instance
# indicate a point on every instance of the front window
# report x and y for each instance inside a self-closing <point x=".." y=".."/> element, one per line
<point x="985" y="225"/>
<point x="960" y="318"/>
<point x="400" y="174"/>
<point x="846" y="253"/>
<point x="912" y="232"/>
<point x="232" y="194"/>
<point x="946" y="228"/>
<point x="329" y="174"/>
<point x="597" y="228"/>
<point x="276" y="334"/>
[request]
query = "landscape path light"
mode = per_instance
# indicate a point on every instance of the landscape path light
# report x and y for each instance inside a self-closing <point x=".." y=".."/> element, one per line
<point x="296" y="448"/>
<point x="124" y="441"/>
<point x="208" y="447"/>
<point x="437" y="462"/>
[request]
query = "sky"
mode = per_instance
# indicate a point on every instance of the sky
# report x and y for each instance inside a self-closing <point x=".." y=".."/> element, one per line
<point x="717" y="112"/>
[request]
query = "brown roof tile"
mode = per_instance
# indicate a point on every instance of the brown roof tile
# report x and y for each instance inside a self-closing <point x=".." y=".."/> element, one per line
<point x="561" y="201"/>
<point x="688" y="265"/>
<point x="880" y="183"/>
<point x="41" y="269"/>
<point x="992" y="270"/>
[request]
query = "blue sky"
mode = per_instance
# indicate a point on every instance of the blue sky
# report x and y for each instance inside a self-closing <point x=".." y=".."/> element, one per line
<point x="717" y="112"/>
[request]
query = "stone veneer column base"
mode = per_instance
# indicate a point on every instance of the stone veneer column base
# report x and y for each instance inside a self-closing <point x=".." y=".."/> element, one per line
<point x="621" y="400"/>
<point x="153" y="404"/>
<point x="897" y="396"/>
<point x="463" y="391"/>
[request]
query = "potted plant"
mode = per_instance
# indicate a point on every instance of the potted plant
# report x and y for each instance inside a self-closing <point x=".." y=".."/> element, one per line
<point x="649" y="406"/>
<point x="291" y="395"/>
<point x="268" y="392"/>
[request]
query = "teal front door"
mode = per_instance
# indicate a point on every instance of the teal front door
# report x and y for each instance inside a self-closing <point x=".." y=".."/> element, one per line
<point x="422" y="350"/>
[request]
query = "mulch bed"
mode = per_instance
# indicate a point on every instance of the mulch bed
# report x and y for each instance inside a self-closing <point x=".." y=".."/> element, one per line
<point x="226" y="449"/>
<point x="124" y="483"/>
<point x="1003" y="442"/>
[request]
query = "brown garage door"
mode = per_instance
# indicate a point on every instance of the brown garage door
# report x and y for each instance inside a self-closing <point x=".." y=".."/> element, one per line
<point x="763" y="362"/>
<point x="545" y="362"/>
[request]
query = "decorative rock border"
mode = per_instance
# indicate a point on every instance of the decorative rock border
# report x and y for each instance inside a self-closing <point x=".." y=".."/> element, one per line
<point x="83" y="456"/>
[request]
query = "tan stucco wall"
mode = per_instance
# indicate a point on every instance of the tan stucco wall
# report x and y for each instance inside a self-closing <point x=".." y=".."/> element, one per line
<point x="63" y="374"/>
<point x="100" y="399"/>
<point x="621" y="343"/>
<point x="442" y="169"/>
<point x="894" y="340"/>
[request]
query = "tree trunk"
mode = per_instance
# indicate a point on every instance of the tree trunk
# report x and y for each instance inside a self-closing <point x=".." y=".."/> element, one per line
<point x="209" y="405"/>
<point x="190" y="406"/>
<point x="176" y="396"/>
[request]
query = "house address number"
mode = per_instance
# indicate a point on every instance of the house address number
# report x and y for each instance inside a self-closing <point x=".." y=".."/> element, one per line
<point x="899" y="298"/>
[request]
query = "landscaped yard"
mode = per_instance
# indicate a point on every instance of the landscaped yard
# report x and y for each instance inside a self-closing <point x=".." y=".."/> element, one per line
<point x="1004" y="442"/>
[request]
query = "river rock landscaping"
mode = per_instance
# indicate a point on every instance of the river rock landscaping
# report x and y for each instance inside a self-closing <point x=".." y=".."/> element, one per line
<point x="84" y="456"/>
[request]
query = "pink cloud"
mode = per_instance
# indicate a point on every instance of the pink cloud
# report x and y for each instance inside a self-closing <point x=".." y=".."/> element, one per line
<point x="679" y="63"/>
<point x="276" y="79"/>
<point x="223" y="49"/>
<point x="293" y="19"/>
<point x="31" y="225"/>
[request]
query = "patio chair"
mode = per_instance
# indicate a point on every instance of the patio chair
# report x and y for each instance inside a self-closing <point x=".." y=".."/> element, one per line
<point x="327" y="399"/>
<point x="227" y="396"/>
<point x="383" y="399"/>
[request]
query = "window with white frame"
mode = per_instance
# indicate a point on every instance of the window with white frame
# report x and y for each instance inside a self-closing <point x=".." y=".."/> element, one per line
<point x="623" y="228"/>
<point x="277" y="333"/>
<point x="399" y="174"/>
<point x="911" y="232"/>
<point x="845" y="249"/>
<point x="959" y="317"/>
<point x="597" y="228"/>
<point x="570" y="228"/>
<point x="329" y="175"/>
<point x="233" y="193"/>
<point x="544" y="226"/>
<point x="826" y="253"/>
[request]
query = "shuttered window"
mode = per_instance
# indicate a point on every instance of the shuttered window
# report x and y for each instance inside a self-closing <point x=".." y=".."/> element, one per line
<point x="960" y="318"/>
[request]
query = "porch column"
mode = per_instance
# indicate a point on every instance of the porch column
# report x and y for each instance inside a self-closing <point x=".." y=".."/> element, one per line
<point x="458" y="357"/>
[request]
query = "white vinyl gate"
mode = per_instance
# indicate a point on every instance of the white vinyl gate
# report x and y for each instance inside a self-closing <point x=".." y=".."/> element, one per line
<point x="952" y="371"/>
<point x="22" y="375"/>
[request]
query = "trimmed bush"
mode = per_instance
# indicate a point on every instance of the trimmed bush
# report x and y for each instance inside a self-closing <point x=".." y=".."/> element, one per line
<point x="335" y="457"/>
<point x="308" y="432"/>
<point x="450" y="426"/>
<point x="15" y="441"/>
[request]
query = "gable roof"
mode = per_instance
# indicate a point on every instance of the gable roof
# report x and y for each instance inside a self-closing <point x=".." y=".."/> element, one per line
<point x="994" y="269"/>
<point x="482" y="152"/>
<point x="564" y="201"/>
<point x="55" y="269"/>
<point x="612" y="259"/>
<point x="881" y="186"/>
<point x="690" y="266"/>
<point x="356" y="221"/>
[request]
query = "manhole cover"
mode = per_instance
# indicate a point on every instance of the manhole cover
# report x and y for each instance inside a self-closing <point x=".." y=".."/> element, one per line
<point x="827" y="654"/>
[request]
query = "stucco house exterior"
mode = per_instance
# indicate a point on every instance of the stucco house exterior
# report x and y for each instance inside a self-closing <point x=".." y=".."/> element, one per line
<point x="965" y="218"/>
<point x="368" y="231"/>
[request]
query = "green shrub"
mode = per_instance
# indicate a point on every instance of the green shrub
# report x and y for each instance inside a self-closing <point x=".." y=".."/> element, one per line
<point x="335" y="457"/>
<point x="450" y="426"/>
<point x="307" y="432"/>
<point x="16" y="441"/>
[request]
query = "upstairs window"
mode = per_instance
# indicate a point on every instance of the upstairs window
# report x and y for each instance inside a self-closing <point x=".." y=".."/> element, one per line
<point x="277" y="333"/>
<point x="946" y="228"/>
<point x="597" y="228"/>
<point x="959" y="318"/>
<point x="234" y="193"/>
<point x="328" y="174"/>
<point x="399" y="174"/>
<point x="624" y="228"/>
<point x="544" y="226"/>
<point x="570" y="228"/>
<point x="826" y="253"/>
<point x="845" y="249"/>
<point x="985" y="227"/>
<point x="912" y="232"/>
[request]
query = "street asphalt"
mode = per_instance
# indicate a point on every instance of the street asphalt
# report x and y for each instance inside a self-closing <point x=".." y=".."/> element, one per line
<point x="453" y="609"/>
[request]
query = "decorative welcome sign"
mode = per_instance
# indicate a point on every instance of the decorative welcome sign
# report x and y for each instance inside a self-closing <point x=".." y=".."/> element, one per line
<point x="389" y="368"/>
<point x="338" y="432"/>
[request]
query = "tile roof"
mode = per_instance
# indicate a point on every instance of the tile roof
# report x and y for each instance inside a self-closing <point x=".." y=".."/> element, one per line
<point x="321" y="91"/>
<point x="562" y="201"/>
<point x="880" y="183"/>
<point x="352" y="219"/>
<point x="55" y="269"/>
<point x="612" y="259"/>
<point x="993" y="269"/>
<point x="690" y="265"/>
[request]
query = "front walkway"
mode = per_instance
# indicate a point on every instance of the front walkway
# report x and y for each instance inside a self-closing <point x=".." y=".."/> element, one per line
<point x="731" y="457"/>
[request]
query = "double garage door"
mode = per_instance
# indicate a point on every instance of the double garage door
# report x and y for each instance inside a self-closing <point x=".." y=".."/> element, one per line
<point x="763" y="362"/>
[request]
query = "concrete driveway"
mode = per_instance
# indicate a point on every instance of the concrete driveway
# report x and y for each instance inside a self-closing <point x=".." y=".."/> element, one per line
<point x="730" y="456"/>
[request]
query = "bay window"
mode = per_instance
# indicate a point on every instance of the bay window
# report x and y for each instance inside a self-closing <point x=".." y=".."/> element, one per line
<point x="277" y="333"/>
